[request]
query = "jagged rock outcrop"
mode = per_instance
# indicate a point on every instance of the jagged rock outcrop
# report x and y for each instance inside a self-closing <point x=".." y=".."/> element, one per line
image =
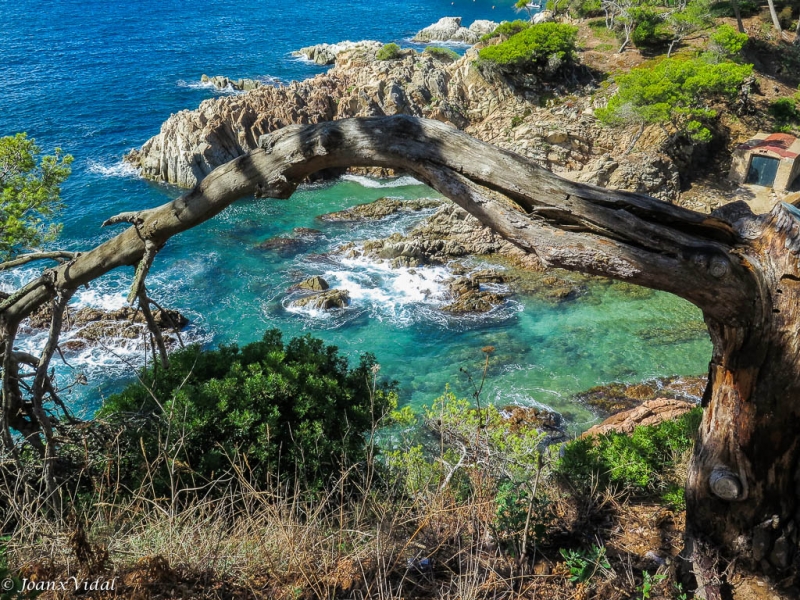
<point x="379" y="209"/>
<point x="240" y="85"/>
<point x="325" y="54"/>
<point x="651" y="412"/>
<point x="564" y="137"/>
<point x="314" y="284"/>
<point x="88" y="326"/>
<point x="448" y="234"/>
<point x="613" y="398"/>
<point x="326" y="300"/>
<point x="449" y="29"/>
<point x="469" y="296"/>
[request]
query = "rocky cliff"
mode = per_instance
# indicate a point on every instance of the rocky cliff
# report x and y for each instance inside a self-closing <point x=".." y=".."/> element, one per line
<point x="552" y="126"/>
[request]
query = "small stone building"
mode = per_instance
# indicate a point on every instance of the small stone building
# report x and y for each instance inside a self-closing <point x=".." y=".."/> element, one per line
<point x="771" y="160"/>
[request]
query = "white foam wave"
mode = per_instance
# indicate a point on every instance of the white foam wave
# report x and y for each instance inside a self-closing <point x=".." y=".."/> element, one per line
<point x="97" y="299"/>
<point x="118" y="169"/>
<point x="369" y="182"/>
<point x="447" y="43"/>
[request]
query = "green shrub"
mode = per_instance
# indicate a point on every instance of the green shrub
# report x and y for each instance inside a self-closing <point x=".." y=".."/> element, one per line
<point x="638" y="463"/>
<point x="296" y="410"/>
<point x="784" y="111"/>
<point x="650" y="29"/>
<point x="442" y="53"/>
<point x="536" y="48"/>
<point x="785" y="17"/>
<point x="471" y="451"/>
<point x="388" y="52"/>
<point x="747" y="8"/>
<point x="674" y="90"/>
<point x="585" y="8"/>
<point x="726" y="43"/>
<point x="507" y="29"/>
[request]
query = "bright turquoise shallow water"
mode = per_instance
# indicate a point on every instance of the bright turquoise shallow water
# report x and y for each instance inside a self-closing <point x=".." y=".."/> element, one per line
<point x="99" y="78"/>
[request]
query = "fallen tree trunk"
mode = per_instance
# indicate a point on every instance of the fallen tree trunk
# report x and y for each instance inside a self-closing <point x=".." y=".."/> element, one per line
<point x="740" y="269"/>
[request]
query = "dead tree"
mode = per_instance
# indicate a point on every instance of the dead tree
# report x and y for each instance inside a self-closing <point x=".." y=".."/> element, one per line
<point x="740" y="269"/>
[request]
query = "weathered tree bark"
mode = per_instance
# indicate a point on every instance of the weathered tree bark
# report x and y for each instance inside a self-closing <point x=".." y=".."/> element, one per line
<point x="740" y="269"/>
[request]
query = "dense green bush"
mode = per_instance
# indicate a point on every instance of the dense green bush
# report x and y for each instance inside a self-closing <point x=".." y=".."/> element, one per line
<point x="537" y="48"/>
<point x="640" y="463"/>
<point x="674" y="91"/>
<point x="582" y="9"/>
<point x="650" y="28"/>
<point x="442" y="53"/>
<point x="726" y="43"/>
<point x="747" y="8"/>
<point x="388" y="52"/>
<point x="294" y="411"/>
<point x="507" y="29"/>
<point x="785" y="113"/>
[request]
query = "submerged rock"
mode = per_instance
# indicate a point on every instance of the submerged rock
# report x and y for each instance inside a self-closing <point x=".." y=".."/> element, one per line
<point x="470" y="298"/>
<point x="296" y="241"/>
<point x="521" y="418"/>
<point x="327" y="300"/>
<point x="617" y="397"/>
<point x="474" y="301"/>
<point x="380" y="209"/>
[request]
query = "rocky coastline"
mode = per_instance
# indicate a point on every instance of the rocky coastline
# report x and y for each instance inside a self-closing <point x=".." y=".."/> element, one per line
<point x="552" y="126"/>
<point x="87" y="326"/>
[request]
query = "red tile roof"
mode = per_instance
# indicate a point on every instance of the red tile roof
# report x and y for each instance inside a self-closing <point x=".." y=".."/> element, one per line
<point x="778" y="143"/>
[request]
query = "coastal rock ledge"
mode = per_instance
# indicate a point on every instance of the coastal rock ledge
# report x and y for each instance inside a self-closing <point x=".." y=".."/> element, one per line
<point x="325" y="54"/>
<point x="449" y="29"/>
<point x="563" y="137"/>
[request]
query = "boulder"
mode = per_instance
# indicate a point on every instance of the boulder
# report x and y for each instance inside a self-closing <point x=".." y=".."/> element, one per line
<point x="326" y="300"/>
<point x="447" y="29"/>
<point x="240" y="85"/>
<point x="546" y="16"/>
<point x="651" y="412"/>
<point x="483" y="26"/>
<point x="474" y="301"/>
<point x="316" y="284"/>
<point x="325" y="54"/>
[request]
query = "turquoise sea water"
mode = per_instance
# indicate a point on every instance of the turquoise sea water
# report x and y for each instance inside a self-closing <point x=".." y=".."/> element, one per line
<point x="99" y="78"/>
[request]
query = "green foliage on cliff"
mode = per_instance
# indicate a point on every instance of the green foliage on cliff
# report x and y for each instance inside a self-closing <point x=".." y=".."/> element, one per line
<point x="536" y="48"/>
<point x="640" y="463"/>
<point x="442" y="53"/>
<point x="296" y="411"/>
<point x="30" y="193"/>
<point x="726" y="43"/>
<point x="388" y="52"/>
<point x="674" y="91"/>
<point x="785" y="113"/>
<point x="506" y="29"/>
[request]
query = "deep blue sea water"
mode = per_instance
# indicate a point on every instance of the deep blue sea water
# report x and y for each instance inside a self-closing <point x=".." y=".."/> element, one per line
<point x="99" y="78"/>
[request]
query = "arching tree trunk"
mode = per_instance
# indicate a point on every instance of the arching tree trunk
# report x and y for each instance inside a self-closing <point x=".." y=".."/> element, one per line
<point x="740" y="269"/>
